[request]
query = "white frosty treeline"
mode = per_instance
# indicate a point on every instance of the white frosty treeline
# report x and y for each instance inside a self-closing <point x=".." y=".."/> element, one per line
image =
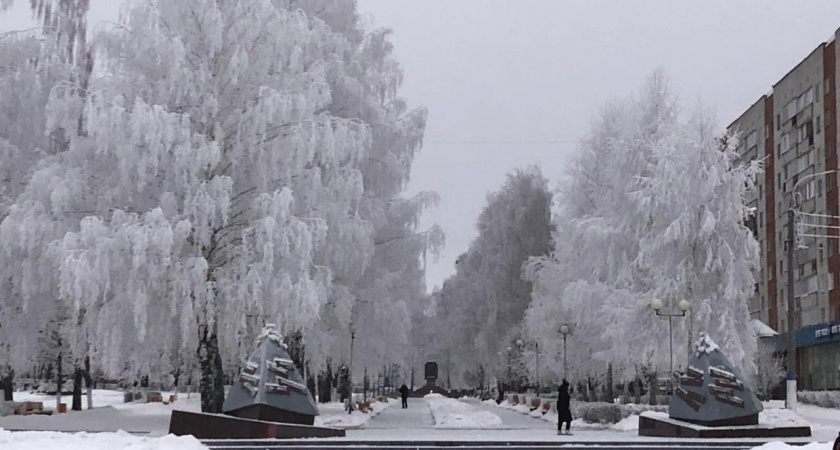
<point x="652" y="207"/>
<point x="199" y="170"/>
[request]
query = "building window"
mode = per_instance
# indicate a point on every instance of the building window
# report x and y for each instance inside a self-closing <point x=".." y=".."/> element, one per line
<point x="819" y="188"/>
<point x="818" y="125"/>
<point x="752" y="140"/>
<point x="817" y="89"/>
<point x="778" y="122"/>
<point x="813" y="265"/>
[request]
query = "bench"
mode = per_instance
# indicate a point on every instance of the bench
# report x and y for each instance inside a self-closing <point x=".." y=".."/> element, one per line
<point x="546" y="407"/>
<point x="515" y="400"/>
<point x="363" y="406"/>
<point x="154" y="397"/>
<point x="32" y="408"/>
<point x="535" y="404"/>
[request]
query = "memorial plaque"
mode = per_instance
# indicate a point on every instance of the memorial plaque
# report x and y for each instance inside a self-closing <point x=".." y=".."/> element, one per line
<point x="431" y="370"/>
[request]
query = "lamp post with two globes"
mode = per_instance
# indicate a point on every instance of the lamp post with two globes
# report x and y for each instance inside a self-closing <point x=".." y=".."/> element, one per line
<point x="683" y="306"/>
<point x="565" y="331"/>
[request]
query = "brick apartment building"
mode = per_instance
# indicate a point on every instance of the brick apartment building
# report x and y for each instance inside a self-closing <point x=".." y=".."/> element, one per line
<point x="793" y="129"/>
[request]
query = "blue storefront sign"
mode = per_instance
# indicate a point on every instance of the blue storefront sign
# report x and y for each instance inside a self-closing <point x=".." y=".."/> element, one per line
<point x="822" y="333"/>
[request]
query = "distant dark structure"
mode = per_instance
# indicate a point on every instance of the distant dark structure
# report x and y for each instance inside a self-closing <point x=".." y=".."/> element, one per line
<point x="431" y="387"/>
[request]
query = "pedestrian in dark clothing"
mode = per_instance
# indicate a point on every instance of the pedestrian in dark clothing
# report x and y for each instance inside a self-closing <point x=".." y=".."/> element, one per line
<point x="564" y="414"/>
<point x="404" y="391"/>
<point x="501" y="396"/>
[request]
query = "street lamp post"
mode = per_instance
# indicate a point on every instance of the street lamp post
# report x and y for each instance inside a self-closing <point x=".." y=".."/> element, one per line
<point x="350" y="369"/>
<point x="564" y="330"/>
<point x="683" y="305"/>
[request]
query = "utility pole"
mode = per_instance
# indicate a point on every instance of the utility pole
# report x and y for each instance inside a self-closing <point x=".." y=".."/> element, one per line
<point x="790" y="398"/>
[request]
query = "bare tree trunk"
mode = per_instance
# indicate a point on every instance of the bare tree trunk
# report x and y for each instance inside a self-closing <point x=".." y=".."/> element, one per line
<point x="610" y="394"/>
<point x="77" y="388"/>
<point x="88" y="383"/>
<point x="59" y="381"/>
<point x="8" y="384"/>
<point x="653" y="388"/>
<point x="638" y="393"/>
<point x="212" y="387"/>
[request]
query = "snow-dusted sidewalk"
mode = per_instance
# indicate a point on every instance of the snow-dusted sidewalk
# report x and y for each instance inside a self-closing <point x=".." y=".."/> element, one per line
<point x="451" y="413"/>
<point x="630" y="423"/>
<point x="43" y="440"/>
<point x="335" y="415"/>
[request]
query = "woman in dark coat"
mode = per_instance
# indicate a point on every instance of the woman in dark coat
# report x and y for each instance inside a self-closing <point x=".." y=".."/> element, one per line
<point x="564" y="414"/>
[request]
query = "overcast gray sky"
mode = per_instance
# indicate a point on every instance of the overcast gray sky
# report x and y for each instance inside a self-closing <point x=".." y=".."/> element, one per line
<point x="516" y="82"/>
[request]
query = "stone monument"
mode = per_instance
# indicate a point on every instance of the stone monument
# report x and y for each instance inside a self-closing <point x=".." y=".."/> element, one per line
<point x="711" y="400"/>
<point x="269" y="387"/>
<point x="710" y="392"/>
<point x="268" y="400"/>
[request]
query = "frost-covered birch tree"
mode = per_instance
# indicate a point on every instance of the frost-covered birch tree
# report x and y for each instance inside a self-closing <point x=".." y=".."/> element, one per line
<point x="34" y="62"/>
<point x="653" y="207"/>
<point x="477" y="308"/>
<point x="223" y="164"/>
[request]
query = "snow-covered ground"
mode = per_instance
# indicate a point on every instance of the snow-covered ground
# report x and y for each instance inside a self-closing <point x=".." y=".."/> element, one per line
<point x="42" y="440"/>
<point x="135" y="417"/>
<point x="630" y="423"/>
<point x="335" y="415"/>
<point x="101" y="397"/>
<point x="451" y="413"/>
<point x="110" y="414"/>
<point x="783" y="446"/>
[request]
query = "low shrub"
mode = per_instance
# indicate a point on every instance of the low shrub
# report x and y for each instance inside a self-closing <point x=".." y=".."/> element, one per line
<point x="610" y="413"/>
<point x="825" y="399"/>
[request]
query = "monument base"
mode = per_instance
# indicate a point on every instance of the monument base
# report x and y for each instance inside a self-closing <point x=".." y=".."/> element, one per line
<point x="218" y="426"/>
<point x="425" y="390"/>
<point x="672" y="428"/>
<point x="267" y="413"/>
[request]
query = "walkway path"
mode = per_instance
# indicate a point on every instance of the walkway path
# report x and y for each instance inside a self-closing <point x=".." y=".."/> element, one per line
<point x="512" y="419"/>
<point x="418" y="415"/>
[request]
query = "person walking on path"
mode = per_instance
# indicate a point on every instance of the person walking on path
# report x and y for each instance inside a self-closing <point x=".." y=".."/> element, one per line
<point x="564" y="414"/>
<point x="404" y="392"/>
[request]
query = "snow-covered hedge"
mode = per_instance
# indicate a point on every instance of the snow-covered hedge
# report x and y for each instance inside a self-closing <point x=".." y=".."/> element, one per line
<point x="825" y="399"/>
<point x="610" y="413"/>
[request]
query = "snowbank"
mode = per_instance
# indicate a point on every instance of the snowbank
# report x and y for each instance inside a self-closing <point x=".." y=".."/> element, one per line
<point x="629" y="423"/>
<point x="335" y="415"/>
<point x="781" y="418"/>
<point x="46" y="440"/>
<point x="783" y="446"/>
<point x="451" y="413"/>
<point x="593" y="416"/>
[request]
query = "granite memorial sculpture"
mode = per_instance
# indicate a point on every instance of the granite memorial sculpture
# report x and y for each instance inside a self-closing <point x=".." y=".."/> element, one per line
<point x="269" y="387"/>
<point x="712" y="400"/>
<point x="268" y="399"/>
<point x="710" y="393"/>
